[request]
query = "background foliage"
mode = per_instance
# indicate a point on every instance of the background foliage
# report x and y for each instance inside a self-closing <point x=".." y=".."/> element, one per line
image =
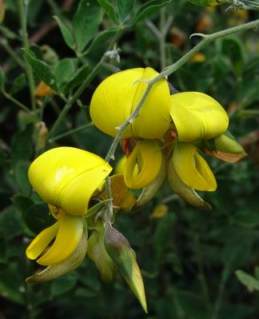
<point x="188" y="257"/>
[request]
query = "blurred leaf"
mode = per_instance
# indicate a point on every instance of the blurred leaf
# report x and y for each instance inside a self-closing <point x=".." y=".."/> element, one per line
<point x="162" y="235"/>
<point x="125" y="8"/>
<point x="109" y="8"/>
<point x="66" y="32"/>
<point x="232" y="48"/>
<point x="36" y="216"/>
<point x="247" y="280"/>
<point x="63" y="285"/>
<point x="150" y="8"/>
<point x="86" y="22"/>
<point x="18" y="84"/>
<point x="65" y="71"/>
<point x="101" y="41"/>
<point x="21" y="144"/>
<point x="10" y="223"/>
<point x="11" y="285"/>
<point x="41" y="69"/>
<point x="20" y="173"/>
<point x="77" y="78"/>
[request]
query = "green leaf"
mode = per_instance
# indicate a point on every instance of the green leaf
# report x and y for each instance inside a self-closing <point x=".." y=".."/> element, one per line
<point x="150" y="8"/>
<point x="41" y="69"/>
<point x="21" y="145"/>
<point x="77" y="78"/>
<point x="232" y="48"/>
<point x="11" y="282"/>
<point x="18" y="84"/>
<point x="66" y="32"/>
<point x="64" y="71"/>
<point x="37" y="217"/>
<point x="11" y="224"/>
<point x="162" y="235"/>
<point x="20" y="173"/>
<point x="86" y="22"/>
<point x="101" y="41"/>
<point x="109" y="9"/>
<point x="247" y="280"/>
<point x="125" y="8"/>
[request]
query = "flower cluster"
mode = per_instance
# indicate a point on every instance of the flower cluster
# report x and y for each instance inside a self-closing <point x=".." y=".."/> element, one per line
<point x="165" y="140"/>
<point x="167" y="137"/>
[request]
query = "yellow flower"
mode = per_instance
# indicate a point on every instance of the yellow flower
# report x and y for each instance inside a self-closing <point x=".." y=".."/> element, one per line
<point x="197" y="116"/>
<point x="117" y="96"/>
<point x="65" y="178"/>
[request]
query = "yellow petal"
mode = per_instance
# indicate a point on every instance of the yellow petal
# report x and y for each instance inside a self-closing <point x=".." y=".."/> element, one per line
<point x="151" y="190"/>
<point x="118" y="95"/>
<point x="143" y="164"/>
<point x="70" y="231"/>
<point x="67" y="177"/>
<point x="197" y="116"/>
<point x="192" y="169"/>
<point x="41" y="242"/>
<point x="186" y="193"/>
<point x="60" y="269"/>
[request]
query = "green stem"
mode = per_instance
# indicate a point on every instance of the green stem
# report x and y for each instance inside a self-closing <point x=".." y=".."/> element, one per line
<point x="80" y="90"/>
<point x="12" y="53"/>
<point x="26" y="44"/>
<point x="74" y="98"/>
<point x="16" y="102"/>
<point x="70" y="132"/>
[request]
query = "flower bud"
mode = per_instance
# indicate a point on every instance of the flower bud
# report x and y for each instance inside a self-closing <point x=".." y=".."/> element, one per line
<point x="124" y="258"/>
<point x="98" y="254"/>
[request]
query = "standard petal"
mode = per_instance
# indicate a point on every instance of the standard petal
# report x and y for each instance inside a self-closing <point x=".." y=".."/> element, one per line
<point x="70" y="231"/>
<point x="197" y="116"/>
<point x="143" y="164"/>
<point x="192" y="169"/>
<point x="118" y="95"/>
<point x="67" y="169"/>
<point x="41" y="242"/>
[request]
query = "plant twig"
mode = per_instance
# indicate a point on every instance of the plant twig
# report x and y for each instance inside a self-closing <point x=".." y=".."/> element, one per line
<point x="26" y="44"/>
<point x="16" y="102"/>
<point x="70" y="132"/>
<point x="74" y="98"/>
<point x="12" y="53"/>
